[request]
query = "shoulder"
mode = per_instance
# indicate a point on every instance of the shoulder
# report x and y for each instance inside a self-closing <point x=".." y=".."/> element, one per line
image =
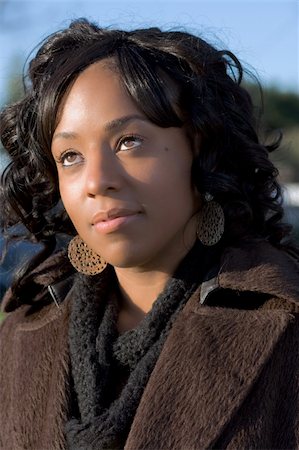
<point x="33" y="317"/>
<point x="54" y="283"/>
<point x="54" y="269"/>
<point x="252" y="273"/>
<point x="250" y="306"/>
<point x="261" y="267"/>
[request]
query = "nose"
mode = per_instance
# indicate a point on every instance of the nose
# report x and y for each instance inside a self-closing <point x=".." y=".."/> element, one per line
<point x="103" y="173"/>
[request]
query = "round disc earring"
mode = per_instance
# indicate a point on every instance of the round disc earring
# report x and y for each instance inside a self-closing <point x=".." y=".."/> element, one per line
<point x="210" y="225"/>
<point x="84" y="259"/>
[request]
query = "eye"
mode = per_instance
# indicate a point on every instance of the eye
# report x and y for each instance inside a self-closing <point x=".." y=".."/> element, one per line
<point x="70" y="158"/>
<point x="129" y="143"/>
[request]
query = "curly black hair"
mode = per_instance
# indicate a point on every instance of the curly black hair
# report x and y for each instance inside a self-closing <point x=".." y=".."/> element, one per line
<point x="204" y="94"/>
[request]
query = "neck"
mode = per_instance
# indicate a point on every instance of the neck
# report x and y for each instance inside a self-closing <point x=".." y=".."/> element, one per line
<point x="140" y="286"/>
<point x="140" y="289"/>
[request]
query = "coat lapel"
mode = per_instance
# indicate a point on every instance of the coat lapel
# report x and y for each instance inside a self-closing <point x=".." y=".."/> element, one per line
<point x="209" y="364"/>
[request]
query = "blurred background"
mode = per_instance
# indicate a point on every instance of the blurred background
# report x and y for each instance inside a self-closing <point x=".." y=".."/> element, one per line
<point x="263" y="34"/>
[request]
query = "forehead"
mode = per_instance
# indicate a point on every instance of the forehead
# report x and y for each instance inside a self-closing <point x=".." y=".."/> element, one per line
<point x="97" y="93"/>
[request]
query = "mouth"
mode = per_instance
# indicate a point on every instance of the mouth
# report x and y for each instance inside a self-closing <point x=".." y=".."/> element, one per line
<point x="114" y="219"/>
<point x="114" y="213"/>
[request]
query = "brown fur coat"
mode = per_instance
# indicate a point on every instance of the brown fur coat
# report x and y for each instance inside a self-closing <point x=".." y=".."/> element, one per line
<point x="227" y="377"/>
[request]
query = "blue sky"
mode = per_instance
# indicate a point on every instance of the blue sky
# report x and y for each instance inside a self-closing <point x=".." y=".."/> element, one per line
<point x="262" y="33"/>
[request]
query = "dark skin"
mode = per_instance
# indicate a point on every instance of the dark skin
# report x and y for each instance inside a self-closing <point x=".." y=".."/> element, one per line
<point x="109" y="155"/>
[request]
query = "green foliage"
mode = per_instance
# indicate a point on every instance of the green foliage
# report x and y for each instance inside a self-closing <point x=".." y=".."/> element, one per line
<point x="287" y="156"/>
<point x="280" y="110"/>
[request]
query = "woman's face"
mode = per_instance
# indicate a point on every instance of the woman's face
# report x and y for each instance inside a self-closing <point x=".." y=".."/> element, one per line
<point x="125" y="182"/>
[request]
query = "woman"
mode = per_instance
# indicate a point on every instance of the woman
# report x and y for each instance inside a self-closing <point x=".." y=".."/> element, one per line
<point x="180" y="328"/>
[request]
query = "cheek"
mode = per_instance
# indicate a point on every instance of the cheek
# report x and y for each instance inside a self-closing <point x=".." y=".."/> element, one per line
<point x="167" y="187"/>
<point x="70" y="197"/>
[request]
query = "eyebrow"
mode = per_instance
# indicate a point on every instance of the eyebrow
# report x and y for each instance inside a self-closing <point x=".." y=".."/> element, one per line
<point x="108" y="127"/>
<point x="119" y="123"/>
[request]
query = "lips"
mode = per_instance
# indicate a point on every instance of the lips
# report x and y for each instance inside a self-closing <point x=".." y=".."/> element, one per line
<point x="104" y="216"/>
<point x="117" y="220"/>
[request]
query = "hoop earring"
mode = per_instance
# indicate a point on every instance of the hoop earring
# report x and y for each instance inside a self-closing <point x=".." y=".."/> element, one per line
<point x="210" y="225"/>
<point x="83" y="258"/>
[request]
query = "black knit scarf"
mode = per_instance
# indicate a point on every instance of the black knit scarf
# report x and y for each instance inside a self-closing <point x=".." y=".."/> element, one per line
<point x="100" y="357"/>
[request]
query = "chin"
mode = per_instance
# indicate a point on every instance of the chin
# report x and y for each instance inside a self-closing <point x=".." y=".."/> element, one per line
<point x="126" y="259"/>
<point x="128" y="254"/>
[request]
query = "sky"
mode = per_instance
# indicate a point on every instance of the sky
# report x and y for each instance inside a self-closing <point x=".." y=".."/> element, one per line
<point x="262" y="33"/>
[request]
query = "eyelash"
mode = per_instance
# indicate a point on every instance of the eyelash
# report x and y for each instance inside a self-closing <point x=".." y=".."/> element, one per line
<point x="131" y="137"/>
<point x="66" y="153"/>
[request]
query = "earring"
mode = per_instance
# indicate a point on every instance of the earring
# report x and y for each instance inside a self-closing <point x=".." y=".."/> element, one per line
<point x="210" y="225"/>
<point x="83" y="258"/>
